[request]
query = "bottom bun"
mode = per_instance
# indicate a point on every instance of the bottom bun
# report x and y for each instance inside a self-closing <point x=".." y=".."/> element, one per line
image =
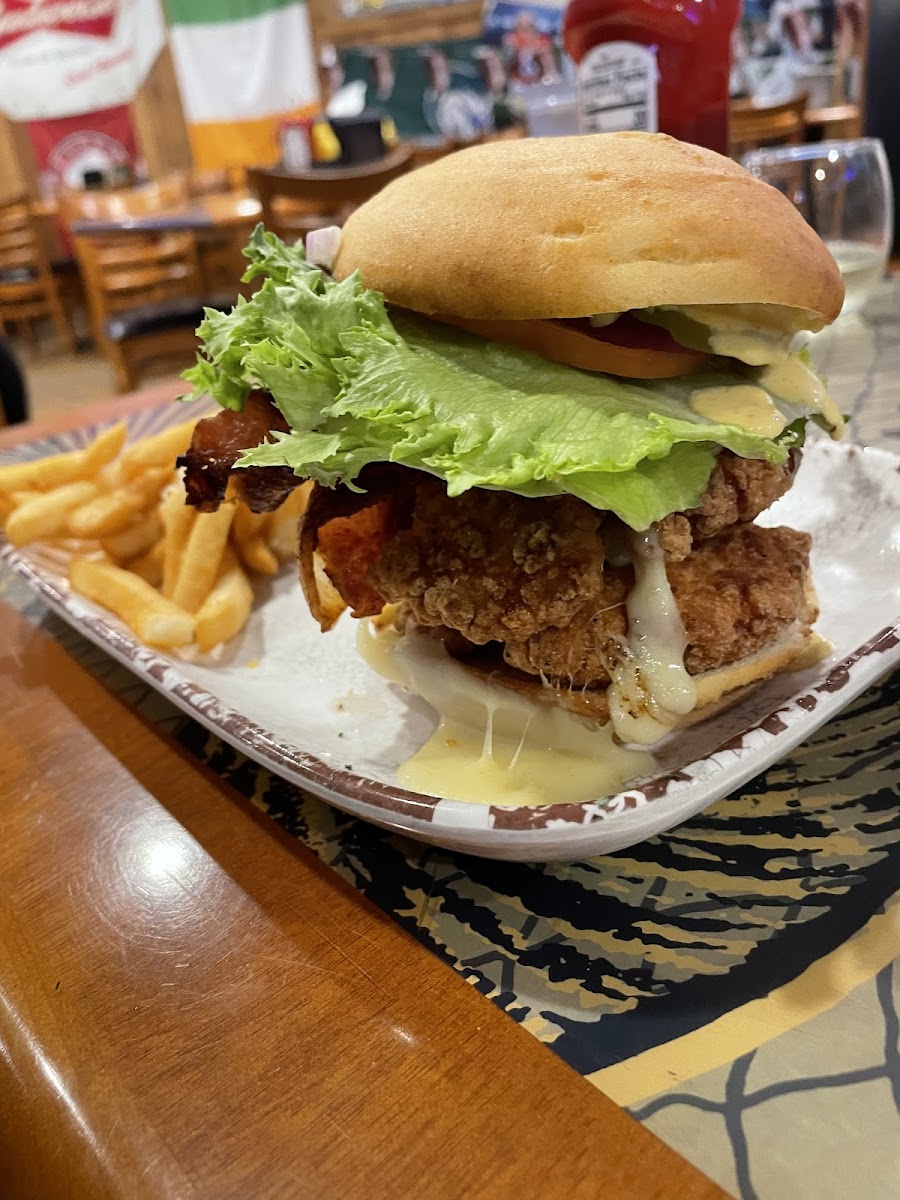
<point x="797" y="648"/>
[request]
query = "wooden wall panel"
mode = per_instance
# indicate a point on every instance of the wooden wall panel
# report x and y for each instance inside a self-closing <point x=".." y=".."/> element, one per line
<point x="18" y="167"/>
<point x="12" y="178"/>
<point x="405" y="27"/>
<point x="159" y="124"/>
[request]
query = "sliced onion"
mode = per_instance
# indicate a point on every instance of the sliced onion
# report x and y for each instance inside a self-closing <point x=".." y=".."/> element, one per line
<point x="322" y="246"/>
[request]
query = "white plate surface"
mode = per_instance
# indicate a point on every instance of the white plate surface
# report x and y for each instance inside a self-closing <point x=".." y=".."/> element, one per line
<point x="306" y="706"/>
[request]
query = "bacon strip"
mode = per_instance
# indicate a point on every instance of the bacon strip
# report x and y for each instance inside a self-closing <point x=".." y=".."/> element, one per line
<point x="342" y="535"/>
<point x="217" y="444"/>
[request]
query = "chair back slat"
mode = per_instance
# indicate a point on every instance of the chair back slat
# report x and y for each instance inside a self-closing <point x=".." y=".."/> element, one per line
<point x="753" y="126"/>
<point x="128" y="269"/>
<point x="294" y="203"/>
<point x="28" y="287"/>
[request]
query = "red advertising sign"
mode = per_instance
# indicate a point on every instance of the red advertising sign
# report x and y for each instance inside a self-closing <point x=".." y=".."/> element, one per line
<point x="19" y="18"/>
<point x="67" y="147"/>
<point x="60" y="57"/>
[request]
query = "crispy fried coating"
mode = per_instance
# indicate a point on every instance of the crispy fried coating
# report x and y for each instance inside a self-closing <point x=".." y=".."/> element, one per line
<point x="739" y="489"/>
<point x="736" y="593"/>
<point x="531" y="574"/>
<point x="491" y="565"/>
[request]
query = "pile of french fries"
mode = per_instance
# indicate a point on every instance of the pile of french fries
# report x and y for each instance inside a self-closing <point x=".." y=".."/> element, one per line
<point x="176" y="577"/>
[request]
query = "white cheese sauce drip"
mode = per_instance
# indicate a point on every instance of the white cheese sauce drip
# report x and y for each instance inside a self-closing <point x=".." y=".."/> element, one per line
<point x="793" y="382"/>
<point x="493" y="745"/>
<point x="751" y="408"/>
<point x="650" y="686"/>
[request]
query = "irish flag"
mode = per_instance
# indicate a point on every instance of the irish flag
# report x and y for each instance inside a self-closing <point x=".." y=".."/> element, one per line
<point x="242" y="66"/>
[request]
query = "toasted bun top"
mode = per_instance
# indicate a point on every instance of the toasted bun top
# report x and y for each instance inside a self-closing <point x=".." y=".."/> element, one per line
<point x="568" y="227"/>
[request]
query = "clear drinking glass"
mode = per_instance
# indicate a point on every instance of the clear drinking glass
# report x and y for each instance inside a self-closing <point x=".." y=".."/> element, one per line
<point x="843" y="189"/>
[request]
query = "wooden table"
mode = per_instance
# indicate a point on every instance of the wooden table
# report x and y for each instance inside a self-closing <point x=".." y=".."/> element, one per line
<point x="835" y="121"/>
<point x="191" y="1005"/>
<point x="217" y="211"/>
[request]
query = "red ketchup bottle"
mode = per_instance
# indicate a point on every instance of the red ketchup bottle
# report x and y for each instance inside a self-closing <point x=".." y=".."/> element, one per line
<point x="656" y="65"/>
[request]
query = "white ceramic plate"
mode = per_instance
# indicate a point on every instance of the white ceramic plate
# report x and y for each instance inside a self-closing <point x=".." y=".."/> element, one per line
<point x="307" y="707"/>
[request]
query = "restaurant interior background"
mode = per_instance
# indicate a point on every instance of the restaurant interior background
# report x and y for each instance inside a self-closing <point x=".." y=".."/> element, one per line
<point x="132" y="136"/>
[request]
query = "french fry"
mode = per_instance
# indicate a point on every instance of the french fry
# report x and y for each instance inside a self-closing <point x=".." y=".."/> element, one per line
<point x="150" y="565"/>
<point x="104" y="448"/>
<point x="202" y="557"/>
<point x="22" y="497"/>
<point x="80" y="546"/>
<point x="178" y="519"/>
<point x="110" y="476"/>
<point x="150" y="483"/>
<point x="136" y="539"/>
<point x="224" y="612"/>
<point x="160" y="450"/>
<point x="283" y="524"/>
<point x="44" y="473"/>
<point x="112" y="512"/>
<point x="104" y="514"/>
<point x="258" y="557"/>
<point x="134" y="545"/>
<point x="249" y="534"/>
<point x="248" y="524"/>
<point x="57" y="469"/>
<point x="47" y="515"/>
<point x="154" y="619"/>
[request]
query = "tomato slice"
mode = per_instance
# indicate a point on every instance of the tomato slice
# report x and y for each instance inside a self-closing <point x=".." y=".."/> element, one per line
<point x="627" y="330"/>
<point x="628" y="348"/>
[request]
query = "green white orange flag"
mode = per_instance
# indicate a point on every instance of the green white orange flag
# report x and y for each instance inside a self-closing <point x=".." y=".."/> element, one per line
<point x="242" y="67"/>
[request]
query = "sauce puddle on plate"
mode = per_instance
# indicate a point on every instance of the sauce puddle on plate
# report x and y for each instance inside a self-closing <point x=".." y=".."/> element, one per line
<point x="492" y="745"/>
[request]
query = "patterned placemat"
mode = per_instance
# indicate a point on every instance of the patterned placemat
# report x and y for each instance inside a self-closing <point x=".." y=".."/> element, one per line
<point x="733" y="981"/>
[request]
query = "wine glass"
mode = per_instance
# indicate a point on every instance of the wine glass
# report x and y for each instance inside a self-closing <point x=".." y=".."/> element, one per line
<point x="843" y="189"/>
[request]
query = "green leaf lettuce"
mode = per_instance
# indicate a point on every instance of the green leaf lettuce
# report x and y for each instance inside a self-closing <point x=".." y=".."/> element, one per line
<point x="357" y="387"/>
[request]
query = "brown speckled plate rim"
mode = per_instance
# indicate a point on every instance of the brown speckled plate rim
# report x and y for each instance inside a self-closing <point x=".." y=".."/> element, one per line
<point x="395" y="807"/>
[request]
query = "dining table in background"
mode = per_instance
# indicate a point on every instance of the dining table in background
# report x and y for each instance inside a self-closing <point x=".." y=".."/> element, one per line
<point x="834" y="121"/>
<point x="214" y="984"/>
<point x="217" y="211"/>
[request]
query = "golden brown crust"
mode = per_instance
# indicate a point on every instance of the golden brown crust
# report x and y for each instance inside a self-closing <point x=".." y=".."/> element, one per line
<point x="567" y="227"/>
<point x="717" y="690"/>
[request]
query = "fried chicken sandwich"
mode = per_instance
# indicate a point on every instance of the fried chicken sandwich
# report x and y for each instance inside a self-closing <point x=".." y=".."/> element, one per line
<point x="544" y="389"/>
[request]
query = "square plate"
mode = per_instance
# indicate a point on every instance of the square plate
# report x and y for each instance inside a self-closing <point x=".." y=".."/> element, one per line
<point x="307" y="707"/>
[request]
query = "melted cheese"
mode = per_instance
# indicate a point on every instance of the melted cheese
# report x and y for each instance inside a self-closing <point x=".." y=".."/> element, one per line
<point x="793" y="382"/>
<point x="750" y="407"/>
<point x="492" y="745"/>
<point x="756" y="334"/>
<point x="650" y="686"/>
<point x="747" y="332"/>
<point x="748" y="347"/>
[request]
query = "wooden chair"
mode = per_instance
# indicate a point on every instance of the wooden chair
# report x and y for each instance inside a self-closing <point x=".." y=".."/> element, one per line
<point x="753" y="126"/>
<point x="144" y="289"/>
<point x="425" y="153"/>
<point x="28" y="288"/>
<point x="210" y="182"/>
<point x="294" y="204"/>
